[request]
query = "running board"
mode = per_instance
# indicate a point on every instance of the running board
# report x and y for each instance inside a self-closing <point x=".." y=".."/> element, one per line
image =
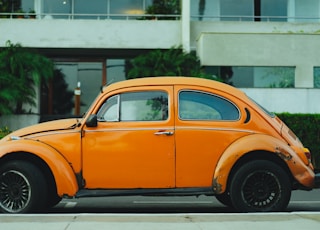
<point x="145" y="192"/>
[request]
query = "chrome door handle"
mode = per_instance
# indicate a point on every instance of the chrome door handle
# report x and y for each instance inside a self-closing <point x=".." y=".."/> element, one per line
<point x="167" y="133"/>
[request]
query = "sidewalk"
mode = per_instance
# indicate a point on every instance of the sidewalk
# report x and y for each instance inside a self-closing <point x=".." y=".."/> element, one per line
<point x="261" y="221"/>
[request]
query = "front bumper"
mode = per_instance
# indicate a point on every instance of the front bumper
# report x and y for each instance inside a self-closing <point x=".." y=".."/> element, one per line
<point x="317" y="180"/>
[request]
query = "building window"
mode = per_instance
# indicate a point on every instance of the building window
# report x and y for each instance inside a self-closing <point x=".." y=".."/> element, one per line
<point x="27" y="5"/>
<point x="272" y="10"/>
<point x="57" y="9"/>
<point x="129" y="6"/>
<point x="236" y="10"/>
<point x="255" y="77"/>
<point x="256" y="10"/>
<point x="307" y="11"/>
<point x="85" y="9"/>
<point x="96" y="9"/>
<point x="316" y="77"/>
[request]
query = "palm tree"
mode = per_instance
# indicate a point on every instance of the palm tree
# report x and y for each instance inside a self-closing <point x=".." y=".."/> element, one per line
<point x="21" y="69"/>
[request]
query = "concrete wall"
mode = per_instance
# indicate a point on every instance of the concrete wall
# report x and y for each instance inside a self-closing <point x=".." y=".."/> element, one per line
<point x="199" y="27"/>
<point x="235" y="49"/>
<point x="115" y="34"/>
<point x="286" y="100"/>
<point x="14" y="122"/>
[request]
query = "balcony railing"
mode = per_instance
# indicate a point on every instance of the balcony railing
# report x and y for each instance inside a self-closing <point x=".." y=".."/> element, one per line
<point x="91" y="16"/>
<point x="159" y="17"/>
<point x="254" y="18"/>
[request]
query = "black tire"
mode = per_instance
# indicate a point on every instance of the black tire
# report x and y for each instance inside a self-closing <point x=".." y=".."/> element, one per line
<point x="23" y="188"/>
<point x="225" y="199"/>
<point x="260" y="186"/>
<point x="53" y="199"/>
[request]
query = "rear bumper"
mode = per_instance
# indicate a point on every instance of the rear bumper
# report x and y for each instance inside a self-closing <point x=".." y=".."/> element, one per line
<point x="317" y="180"/>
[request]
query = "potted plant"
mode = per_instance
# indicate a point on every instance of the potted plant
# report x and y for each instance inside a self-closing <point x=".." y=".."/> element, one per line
<point x="32" y="14"/>
<point x="163" y="7"/>
<point x="19" y="13"/>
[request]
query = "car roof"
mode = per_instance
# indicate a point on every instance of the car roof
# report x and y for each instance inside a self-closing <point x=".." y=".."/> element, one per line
<point x="179" y="80"/>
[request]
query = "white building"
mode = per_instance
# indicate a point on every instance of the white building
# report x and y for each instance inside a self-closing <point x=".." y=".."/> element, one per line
<point x="272" y="47"/>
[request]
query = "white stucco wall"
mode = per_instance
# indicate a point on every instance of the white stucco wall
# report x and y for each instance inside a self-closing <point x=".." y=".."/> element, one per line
<point x="286" y="100"/>
<point x="262" y="49"/>
<point x="115" y="34"/>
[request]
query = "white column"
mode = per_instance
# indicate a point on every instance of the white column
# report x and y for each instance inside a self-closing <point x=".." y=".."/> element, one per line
<point x="291" y="11"/>
<point x="185" y="25"/>
<point x="38" y="8"/>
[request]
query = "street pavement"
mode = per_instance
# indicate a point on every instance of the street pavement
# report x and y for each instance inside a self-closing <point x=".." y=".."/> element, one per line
<point x="261" y="221"/>
<point x="166" y="213"/>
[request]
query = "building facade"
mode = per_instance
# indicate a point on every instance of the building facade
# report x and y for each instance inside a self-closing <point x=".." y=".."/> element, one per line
<point x="268" y="48"/>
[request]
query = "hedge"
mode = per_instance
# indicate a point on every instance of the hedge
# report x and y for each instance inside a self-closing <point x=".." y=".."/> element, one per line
<point x="4" y="131"/>
<point x="307" y="128"/>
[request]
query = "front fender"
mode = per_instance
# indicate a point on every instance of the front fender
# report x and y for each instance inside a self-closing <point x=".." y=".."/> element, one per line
<point x="63" y="174"/>
<point x="260" y="142"/>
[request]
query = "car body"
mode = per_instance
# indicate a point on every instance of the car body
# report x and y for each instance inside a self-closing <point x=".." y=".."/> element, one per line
<point x="158" y="136"/>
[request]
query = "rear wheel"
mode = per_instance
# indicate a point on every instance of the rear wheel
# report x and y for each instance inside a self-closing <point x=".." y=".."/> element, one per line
<point x="260" y="186"/>
<point x="22" y="188"/>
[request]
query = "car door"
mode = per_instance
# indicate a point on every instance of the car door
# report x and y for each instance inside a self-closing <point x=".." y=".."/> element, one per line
<point x="207" y="122"/>
<point x="133" y="143"/>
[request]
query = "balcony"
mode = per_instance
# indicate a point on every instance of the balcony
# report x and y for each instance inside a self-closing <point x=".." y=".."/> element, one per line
<point x="91" y="31"/>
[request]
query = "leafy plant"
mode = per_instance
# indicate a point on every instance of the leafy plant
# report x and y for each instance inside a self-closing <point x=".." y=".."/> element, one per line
<point x="307" y="128"/>
<point x="285" y="75"/>
<point x="4" y="131"/>
<point x="172" y="62"/>
<point x="21" y="69"/>
<point x="169" y="7"/>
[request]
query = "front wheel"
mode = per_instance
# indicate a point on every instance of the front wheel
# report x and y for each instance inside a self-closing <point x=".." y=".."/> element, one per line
<point x="260" y="186"/>
<point x="22" y="188"/>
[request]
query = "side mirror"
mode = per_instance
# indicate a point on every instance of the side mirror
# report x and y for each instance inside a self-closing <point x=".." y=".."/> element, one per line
<point x="92" y="121"/>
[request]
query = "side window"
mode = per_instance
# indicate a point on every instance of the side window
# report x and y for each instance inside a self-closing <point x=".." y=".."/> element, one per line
<point x="195" y="105"/>
<point x="135" y="106"/>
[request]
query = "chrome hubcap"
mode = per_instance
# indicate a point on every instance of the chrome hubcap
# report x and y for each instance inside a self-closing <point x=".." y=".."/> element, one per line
<point x="15" y="191"/>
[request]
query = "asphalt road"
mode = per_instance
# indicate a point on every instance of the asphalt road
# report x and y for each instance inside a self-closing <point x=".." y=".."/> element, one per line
<point x="300" y="201"/>
<point x="166" y="213"/>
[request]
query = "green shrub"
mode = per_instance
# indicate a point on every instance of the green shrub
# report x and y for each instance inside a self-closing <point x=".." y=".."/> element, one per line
<point x="4" y="131"/>
<point x="307" y="128"/>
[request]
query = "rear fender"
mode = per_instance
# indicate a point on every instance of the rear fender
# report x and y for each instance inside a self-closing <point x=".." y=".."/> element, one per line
<point x="62" y="171"/>
<point x="260" y="143"/>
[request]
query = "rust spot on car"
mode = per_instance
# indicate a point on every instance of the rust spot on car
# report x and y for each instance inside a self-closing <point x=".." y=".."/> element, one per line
<point x="283" y="154"/>
<point x="216" y="186"/>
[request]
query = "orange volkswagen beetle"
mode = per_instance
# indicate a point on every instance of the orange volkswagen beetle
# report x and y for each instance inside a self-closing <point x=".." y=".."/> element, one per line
<point x="158" y="136"/>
